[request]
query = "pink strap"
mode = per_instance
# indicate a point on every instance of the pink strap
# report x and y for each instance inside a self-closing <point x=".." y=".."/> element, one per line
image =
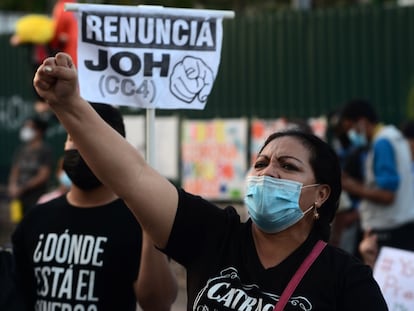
<point x="290" y="288"/>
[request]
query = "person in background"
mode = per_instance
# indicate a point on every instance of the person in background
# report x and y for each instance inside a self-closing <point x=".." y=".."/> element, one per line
<point x="291" y="195"/>
<point x="31" y="165"/>
<point x="65" y="38"/>
<point x="63" y="185"/>
<point x="85" y="250"/>
<point x="351" y="149"/>
<point x="408" y="131"/>
<point x="368" y="248"/>
<point x="387" y="194"/>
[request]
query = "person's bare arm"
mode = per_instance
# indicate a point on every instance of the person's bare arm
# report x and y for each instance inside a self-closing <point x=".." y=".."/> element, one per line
<point x="12" y="188"/>
<point x="368" y="248"/>
<point x="357" y="188"/>
<point x="150" y="196"/>
<point x="156" y="287"/>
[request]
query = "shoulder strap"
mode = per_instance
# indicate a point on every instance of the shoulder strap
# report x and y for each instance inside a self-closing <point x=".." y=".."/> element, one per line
<point x="293" y="283"/>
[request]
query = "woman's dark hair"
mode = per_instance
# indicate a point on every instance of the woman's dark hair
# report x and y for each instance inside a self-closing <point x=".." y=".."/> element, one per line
<point x="325" y="165"/>
<point x="359" y="108"/>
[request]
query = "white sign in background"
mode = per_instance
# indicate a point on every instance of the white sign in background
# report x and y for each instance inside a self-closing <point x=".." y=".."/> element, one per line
<point x="166" y="142"/>
<point x="394" y="272"/>
<point x="147" y="59"/>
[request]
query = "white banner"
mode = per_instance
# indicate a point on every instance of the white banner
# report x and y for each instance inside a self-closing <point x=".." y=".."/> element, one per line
<point x="394" y="272"/>
<point x="148" y="57"/>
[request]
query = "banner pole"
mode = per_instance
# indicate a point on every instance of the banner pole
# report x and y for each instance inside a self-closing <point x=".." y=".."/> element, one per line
<point x="166" y="10"/>
<point x="150" y="136"/>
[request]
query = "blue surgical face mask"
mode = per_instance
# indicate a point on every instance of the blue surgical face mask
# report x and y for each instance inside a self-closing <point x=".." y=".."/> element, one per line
<point x="273" y="203"/>
<point x="357" y="139"/>
<point x="64" y="179"/>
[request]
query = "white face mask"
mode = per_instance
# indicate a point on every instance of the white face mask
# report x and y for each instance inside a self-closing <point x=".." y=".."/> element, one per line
<point x="27" y="134"/>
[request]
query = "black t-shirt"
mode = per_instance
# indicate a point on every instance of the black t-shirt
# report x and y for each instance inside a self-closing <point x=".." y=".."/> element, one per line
<point x="70" y="258"/>
<point x="10" y="298"/>
<point x="225" y="273"/>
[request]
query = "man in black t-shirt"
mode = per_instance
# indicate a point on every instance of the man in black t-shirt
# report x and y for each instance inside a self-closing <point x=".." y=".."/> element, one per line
<point x="86" y="251"/>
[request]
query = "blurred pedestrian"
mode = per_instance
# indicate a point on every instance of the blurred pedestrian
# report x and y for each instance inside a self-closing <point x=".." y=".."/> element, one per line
<point x="31" y="164"/>
<point x="408" y="131"/>
<point x="351" y="149"/>
<point x="386" y="194"/>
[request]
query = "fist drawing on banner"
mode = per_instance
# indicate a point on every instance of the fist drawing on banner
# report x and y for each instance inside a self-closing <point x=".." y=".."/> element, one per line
<point x="191" y="78"/>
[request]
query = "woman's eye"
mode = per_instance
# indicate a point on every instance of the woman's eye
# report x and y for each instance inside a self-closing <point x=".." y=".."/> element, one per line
<point x="288" y="166"/>
<point x="259" y="165"/>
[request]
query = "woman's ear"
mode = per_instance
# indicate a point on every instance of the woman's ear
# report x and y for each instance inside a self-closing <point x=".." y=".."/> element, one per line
<point x="322" y="194"/>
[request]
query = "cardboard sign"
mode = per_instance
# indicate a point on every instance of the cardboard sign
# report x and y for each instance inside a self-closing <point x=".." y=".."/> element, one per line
<point x="148" y="57"/>
<point x="394" y="272"/>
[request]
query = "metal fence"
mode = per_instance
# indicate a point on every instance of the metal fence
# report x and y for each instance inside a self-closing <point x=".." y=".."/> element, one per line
<point x="301" y="64"/>
<point x="295" y="64"/>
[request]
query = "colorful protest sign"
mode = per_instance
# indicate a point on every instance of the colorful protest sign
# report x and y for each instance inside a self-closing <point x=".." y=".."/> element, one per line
<point x="214" y="158"/>
<point x="262" y="128"/>
<point x="148" y="56"/>
<point x="394" y="272"/>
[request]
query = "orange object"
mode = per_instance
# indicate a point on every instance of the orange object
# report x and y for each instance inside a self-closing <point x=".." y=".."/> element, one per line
<point x="65" y="38"/>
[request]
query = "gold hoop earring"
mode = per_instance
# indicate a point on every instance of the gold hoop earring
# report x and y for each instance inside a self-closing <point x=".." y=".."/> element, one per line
<point x="315" y="212"/>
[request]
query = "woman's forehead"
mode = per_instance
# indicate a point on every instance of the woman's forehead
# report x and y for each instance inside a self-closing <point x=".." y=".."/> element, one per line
<point x="286" y="146"/>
